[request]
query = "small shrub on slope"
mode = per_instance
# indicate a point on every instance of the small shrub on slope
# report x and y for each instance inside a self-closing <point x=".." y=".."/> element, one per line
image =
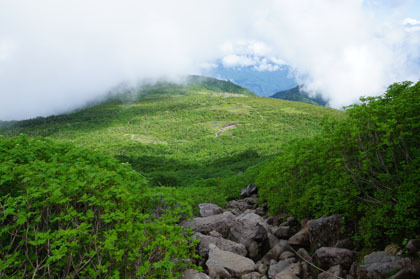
<point x="67" y="212"/>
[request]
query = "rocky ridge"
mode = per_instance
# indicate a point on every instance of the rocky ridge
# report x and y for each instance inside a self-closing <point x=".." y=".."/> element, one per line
<point x="241" y="241"/>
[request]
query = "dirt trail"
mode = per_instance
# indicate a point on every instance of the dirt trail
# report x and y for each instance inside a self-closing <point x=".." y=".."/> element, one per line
<point x="224" y="129"/>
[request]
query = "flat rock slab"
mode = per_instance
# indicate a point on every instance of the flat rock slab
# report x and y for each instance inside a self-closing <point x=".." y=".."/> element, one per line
<point x="194" y="274"/>
<point x="220" y="223"/>
<point x="327" y="257"/>
<point x="220" y="261"/>
<point x="209" y="209"/>
<point x="301" y="238"/>
<point x="224" y="244"/>
<point x="379" y="264"/>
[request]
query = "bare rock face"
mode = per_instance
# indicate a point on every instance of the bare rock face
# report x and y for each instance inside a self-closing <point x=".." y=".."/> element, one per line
<point x="332" y="273"/>
<point x="209" y="209"/>
<point x="249" y="231"/>
<point x="221" y="263"/>
<point x="325" y="231"/>
<point x="220" y="223"/>
<point x="224" y="244"/>
<point x="327" y="257"/>
<point x="378" y="264"/>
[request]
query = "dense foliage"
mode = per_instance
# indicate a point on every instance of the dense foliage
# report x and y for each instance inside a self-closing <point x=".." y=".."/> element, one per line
<point x="365" y="167"/>
<point x="68" y="212"/>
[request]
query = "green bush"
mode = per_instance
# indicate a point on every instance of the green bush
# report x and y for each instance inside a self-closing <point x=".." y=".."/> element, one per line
<point x="365" y="167"/>
<point x="69" y="212"/>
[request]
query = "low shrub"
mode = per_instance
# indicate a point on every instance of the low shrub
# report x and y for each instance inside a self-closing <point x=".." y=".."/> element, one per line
<point x="69" y="212"/>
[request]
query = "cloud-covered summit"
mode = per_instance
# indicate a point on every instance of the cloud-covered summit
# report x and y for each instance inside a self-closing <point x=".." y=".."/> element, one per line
<point x="57" y="55"/>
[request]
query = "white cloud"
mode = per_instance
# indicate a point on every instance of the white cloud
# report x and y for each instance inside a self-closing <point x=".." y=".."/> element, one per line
<point x="72" y="51"/>
<point x="411" y="25"/>
<point x="250" y="53"/>
<point x="233" y="60"/>
<point x="56" y="55"/>
<point x="411" y="21"/>
<point x="339" y="48"/>
<point x="7" y="49"/>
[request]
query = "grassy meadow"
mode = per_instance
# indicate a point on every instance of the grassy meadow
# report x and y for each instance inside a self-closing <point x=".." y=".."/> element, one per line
<point x="179" y="135"/>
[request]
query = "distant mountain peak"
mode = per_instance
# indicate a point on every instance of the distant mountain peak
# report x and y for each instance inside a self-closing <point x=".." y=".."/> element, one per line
<point x="298" y="95"/>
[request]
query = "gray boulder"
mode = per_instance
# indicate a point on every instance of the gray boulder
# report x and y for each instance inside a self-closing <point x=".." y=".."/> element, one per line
<point x="276" y="268"/>
<point x="286" y="255"/>
<point x="209" y="209"/>
<point x="221" y="263"/>
<point x="220" y="223"/>
<point x="378" y="264"/>
<point x="332" y="273"/>
<point x="345" y="243"/>
<point x="262" y="268"/>
<point x="407" y="273"/>
<point x="275" y="252"/>
<point x="413" y="246"/>
<point x="293" y="271"/>
<point x="194" y="274"/>
<point x="325" y="231"/>
<point x="239" y="206"/>
<point x="304" y="255"/>
<point x="272" y="239"/>
<point x="301" y="238"/>
<point x="249" y="231"/>
<point x="252" y="275"/>
<point x="327" y="257"/>
<point x="224" y="244"/>
<point x="283" y="232"/>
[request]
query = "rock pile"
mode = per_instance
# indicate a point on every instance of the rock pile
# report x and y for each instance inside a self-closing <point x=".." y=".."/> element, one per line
<point x="243" y="242"/>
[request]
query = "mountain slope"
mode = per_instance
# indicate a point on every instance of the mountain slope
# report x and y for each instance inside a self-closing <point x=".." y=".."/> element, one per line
<point x="183" y="135"/>
<point x="298" y="95"/>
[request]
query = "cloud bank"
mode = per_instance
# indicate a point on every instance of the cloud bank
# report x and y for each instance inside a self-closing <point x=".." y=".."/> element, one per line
<point x="250" y="53"/>
<point x="341" y="49"/>
<point x="57" y="55"/>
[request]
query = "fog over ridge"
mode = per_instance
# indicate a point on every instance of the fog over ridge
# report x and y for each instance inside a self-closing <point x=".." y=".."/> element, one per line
<point x="57" y="55"/>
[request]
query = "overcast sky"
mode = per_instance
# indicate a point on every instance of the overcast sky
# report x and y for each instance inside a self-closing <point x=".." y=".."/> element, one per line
<point x="56" y="55"/>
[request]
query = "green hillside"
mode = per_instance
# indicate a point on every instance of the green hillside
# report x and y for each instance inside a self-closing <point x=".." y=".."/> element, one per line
<point x="65" y="192"/>
<point x="298" y="95"/>
<point x="183" y="135"/>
